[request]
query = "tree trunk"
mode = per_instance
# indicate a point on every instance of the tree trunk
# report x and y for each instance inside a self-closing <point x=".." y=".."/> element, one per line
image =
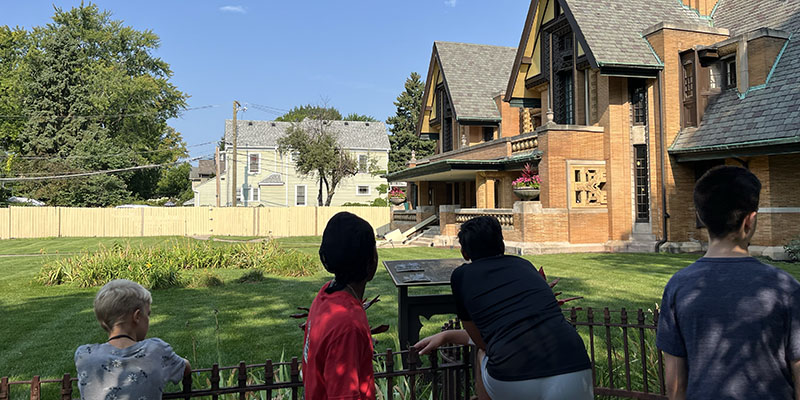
<point x="332" y="189"/>
<point x="319" y="195"/>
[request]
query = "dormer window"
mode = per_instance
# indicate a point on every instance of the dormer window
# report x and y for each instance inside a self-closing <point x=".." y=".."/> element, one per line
<point x="730" y="73"/>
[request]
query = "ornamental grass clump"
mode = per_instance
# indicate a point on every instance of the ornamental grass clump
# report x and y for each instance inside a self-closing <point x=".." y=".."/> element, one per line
<point x="164" y="266"/>
<point x="529" y="179"/>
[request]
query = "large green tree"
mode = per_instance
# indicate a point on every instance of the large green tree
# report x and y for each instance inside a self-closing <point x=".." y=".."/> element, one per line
<point x="91" y="97"/>
<point x="318" y="155"/>
<point x="299" y="113"/>
<point x="403" y="126"/>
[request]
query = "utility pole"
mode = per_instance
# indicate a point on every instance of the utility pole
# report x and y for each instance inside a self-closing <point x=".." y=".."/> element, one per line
<point x="234" y="166"/>
<point x="216" y="162"/>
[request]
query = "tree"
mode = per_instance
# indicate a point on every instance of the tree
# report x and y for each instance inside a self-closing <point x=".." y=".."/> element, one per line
<point x="299" y="113"/>
<point x="319" y="155"/>
<point x="90" y="95"/>
<point x="403" y="126"/>
<point x="359" y="117"/>
<point x="175" y="183"/>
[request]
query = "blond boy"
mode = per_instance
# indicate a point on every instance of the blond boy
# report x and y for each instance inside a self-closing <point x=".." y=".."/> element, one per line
<point x="127" y="366"/>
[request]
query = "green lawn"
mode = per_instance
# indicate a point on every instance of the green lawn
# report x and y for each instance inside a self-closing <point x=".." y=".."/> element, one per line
<point x="40" y="327"/>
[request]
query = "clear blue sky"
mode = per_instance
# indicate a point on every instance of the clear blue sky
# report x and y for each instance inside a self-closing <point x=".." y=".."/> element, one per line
<point x="356" y="54"/>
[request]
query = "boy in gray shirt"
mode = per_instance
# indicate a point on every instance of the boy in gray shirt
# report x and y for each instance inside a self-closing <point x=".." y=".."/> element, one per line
<point x="127" y="366"/>
<point x="730" y="324"/>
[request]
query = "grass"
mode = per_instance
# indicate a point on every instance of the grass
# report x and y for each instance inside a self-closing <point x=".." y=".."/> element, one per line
<point x="40" y="327"/>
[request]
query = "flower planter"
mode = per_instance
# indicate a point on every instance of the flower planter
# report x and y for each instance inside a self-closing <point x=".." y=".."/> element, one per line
<point x="527" y="193"/>
<point x="397" y="200"/>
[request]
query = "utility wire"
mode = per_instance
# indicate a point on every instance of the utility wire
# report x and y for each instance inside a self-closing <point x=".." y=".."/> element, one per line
<point x="108" y="171"/>
<point x="7" y="116"/>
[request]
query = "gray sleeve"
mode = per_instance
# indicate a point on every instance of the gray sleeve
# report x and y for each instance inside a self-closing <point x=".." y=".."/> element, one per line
<point x="793" y="342"/>
<point x="172" y="364"/>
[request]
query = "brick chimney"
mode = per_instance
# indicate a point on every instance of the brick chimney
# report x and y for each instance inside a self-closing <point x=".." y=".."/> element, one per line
<point x="704" y="7"/>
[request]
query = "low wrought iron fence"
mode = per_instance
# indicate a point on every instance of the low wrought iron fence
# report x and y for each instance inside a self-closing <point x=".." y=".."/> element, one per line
<point x="621" y="346"/>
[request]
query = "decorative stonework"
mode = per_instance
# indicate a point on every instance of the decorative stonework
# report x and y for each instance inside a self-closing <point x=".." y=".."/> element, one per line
<point x="527" y="120"/>
<point x="588" y="186"/>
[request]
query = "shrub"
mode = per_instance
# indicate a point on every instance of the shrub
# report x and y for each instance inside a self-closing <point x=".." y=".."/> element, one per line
<point x="160" y="267"/>
<point x="253" y="276"/>
<point x="793" y="249"/>
<point x="206" y="279"/>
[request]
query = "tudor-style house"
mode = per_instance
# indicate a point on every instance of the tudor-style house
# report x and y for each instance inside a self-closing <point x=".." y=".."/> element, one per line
<point x="266" y="177"/>
<point x="620" y="105"/>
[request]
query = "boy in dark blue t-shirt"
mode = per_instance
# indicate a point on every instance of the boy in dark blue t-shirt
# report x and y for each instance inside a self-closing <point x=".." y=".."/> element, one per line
<point x="730" y="324"/>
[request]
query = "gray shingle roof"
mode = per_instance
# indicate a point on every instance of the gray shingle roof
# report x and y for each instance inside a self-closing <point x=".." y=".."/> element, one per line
<point x="613" y="28"/>
<point x="475" y="73"/>
<point x="350" y="134"/>
<point x="768" y="114"/>
<point x="273" y="179"/>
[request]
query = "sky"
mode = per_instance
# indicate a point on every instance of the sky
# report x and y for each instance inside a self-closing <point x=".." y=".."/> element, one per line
<point x="354" y="55"/>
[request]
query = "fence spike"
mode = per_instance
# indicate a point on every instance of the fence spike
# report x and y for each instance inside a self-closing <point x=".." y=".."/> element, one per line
<point x="389" y="369"/>
<point x="269" y="376"/>
<point x="625" y="348"/>
<point x="434" y="359"/>
<point x="66" y="387"/>
<point x="242" y="378"/>
<point x="215" y="380"/>
<point x="642" y="349"/>
<point x="187" y="386"/>
<point x="36" y="388"/>
<point x="4" y="388"/>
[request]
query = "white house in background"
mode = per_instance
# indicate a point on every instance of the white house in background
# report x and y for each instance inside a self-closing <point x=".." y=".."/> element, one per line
<point x="268" y="178"/>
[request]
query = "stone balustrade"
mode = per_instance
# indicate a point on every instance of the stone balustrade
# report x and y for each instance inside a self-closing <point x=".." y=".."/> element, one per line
<point x="505" y="216"/>
<point x="404" y="216"/>
<point x="525" y="144"/>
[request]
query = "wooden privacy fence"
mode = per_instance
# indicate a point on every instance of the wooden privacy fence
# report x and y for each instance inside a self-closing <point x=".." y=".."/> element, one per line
<point x="621" y="345"/>
<point x="41" y="222"/>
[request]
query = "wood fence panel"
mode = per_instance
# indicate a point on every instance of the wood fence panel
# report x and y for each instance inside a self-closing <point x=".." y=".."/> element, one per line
<point x="229" y="221"/>
<point x="5" y="223"/>
<point x="122" y="222"/>
<point x="163" y="221"/>
<point x="198" y="221"/>
<point x="34" y="222"/>
<point x="376" y="216"/>
<point x="302" y="221"/>
<point x="273" y="221"/>
<point x="82" y="222"/>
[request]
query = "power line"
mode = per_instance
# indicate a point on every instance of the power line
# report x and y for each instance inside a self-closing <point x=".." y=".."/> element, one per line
<point x="28" y="117"/>
<point x="103" y="172"/>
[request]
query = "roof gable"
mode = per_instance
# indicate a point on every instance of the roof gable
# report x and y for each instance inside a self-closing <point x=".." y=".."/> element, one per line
<point x="350" y="134"/>
<point x="474" y="74"/>
<point x="612" y="29"/>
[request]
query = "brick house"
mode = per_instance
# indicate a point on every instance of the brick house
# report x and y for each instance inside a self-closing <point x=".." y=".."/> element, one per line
<point x="622" y="105"/>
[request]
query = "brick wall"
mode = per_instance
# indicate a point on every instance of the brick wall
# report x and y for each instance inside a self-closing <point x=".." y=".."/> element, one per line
<point x="667" y="43"/>
<point x="559" y="146"/>
<point x="587" y="227"/>
<point x="511" y="125"/>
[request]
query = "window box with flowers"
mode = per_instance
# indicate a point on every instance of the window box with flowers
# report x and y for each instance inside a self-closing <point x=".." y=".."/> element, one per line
<point x="397" y="196"/>
<point x="526" y="187"/>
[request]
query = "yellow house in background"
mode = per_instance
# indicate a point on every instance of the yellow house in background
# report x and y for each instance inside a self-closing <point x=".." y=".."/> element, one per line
<point x="268" y="178"/>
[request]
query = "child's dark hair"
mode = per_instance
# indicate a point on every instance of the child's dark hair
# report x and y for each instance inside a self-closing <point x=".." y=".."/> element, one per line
<point x="724" y="196"/>
<point x="481" y="237"/>
<point x="347" y="249"/>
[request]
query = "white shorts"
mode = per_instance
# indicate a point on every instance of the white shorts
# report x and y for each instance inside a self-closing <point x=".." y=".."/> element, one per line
<point x="570" y="386"/>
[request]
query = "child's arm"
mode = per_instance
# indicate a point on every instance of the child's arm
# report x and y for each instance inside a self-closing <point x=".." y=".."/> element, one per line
<point x="676" y="377"/>
<point x="188" y="369"/>
<point x="431" y="343"/>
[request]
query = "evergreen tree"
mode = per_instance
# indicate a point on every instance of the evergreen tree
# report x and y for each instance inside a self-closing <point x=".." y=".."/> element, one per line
<point x="404" y="126"/>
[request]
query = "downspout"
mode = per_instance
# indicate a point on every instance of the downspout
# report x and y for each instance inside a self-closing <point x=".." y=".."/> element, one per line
<point x="662" y="161"/>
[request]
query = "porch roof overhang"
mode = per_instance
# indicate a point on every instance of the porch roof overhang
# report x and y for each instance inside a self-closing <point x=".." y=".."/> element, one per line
<point x="769" y="147"/>
<point x="463" y="170"/>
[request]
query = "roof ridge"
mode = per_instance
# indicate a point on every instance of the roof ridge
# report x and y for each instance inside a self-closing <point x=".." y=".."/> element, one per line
<point x="474" y="44"/>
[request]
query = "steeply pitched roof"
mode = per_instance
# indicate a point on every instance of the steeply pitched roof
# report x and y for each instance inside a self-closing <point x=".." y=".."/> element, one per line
<point x="613" y="28"/>
<point x="204" y="168"/>
<point x="765" y="116"/>
<point x="475" y="74"/>
<point x="350" y="134"/>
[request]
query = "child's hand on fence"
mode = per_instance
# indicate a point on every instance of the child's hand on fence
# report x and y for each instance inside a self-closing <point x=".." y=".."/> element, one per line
<point x="431" y="343"/>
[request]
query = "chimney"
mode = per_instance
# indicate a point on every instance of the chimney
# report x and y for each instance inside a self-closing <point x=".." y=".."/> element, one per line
<point x="703" y="7"/>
